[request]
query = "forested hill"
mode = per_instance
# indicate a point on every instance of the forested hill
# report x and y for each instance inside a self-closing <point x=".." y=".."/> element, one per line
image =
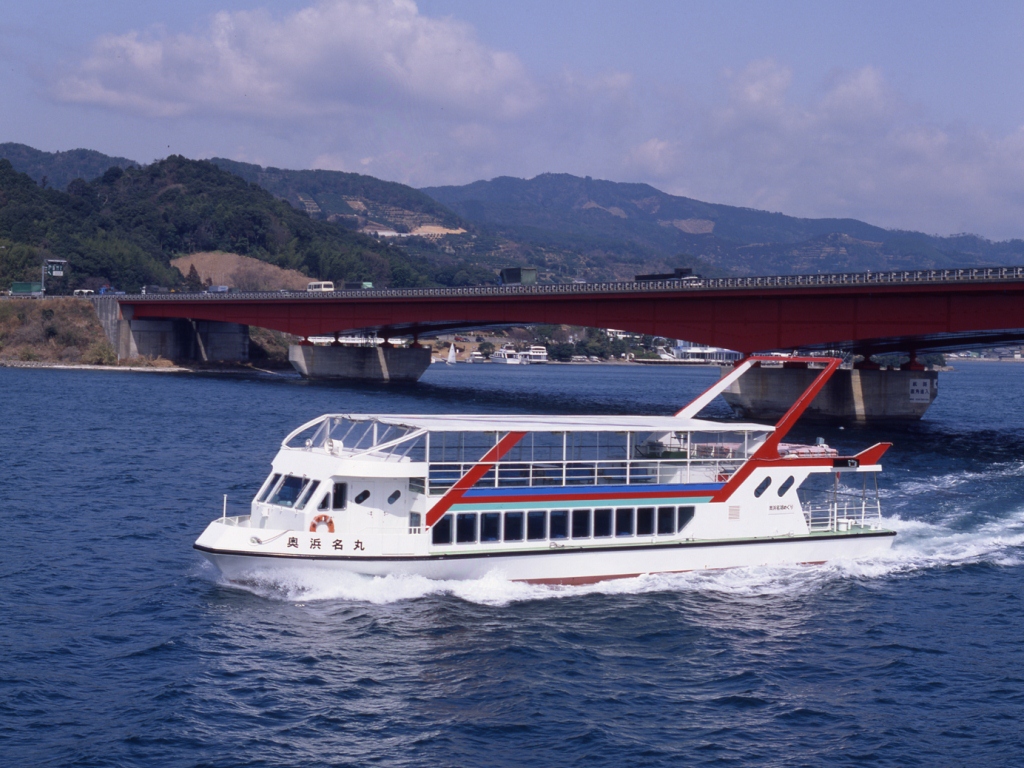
<point x="557" y="209"/>
<point x="58" y="169"/>
<point x="351" y="197"/>
<point x="126" y="225"/>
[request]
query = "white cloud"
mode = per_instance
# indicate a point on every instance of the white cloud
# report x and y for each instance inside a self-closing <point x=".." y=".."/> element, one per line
<point x="857" y="150"/>
<point x="336" y="57"/>
<point x="377" y="87"/>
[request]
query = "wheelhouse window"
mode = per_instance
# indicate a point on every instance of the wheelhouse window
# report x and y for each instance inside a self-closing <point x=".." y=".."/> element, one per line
<point x="340" y="497"/>
<point x="559" y="523"/>
<point x="288" y="491"/>
<point x="513" y="526"/>
<point x="307" y="494"/>
<point x="441" y="533"/>
<point x="602" y="523"/>
<point x="271" y="484"/>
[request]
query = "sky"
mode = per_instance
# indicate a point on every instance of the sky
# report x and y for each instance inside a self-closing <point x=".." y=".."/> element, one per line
<point x="907" y="115"/>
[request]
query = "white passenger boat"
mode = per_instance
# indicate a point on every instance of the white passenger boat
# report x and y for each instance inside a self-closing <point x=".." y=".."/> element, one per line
<point x="535" y="355"/>
<point x="507" y="354"/>
<point x="552" y="499"/>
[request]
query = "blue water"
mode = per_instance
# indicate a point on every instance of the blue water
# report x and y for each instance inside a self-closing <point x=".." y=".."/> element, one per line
<point x="120" y="647"/>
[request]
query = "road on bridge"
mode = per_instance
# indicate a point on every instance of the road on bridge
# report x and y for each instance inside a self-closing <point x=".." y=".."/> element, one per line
<point x="866" y="313"/>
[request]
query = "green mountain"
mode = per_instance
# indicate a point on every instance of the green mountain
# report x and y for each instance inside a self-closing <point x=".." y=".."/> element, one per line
<point x="632" y="223"/>
<point x="351" y="199"/>
<point x="58" y="169"/>
<point x="126" y="225"/>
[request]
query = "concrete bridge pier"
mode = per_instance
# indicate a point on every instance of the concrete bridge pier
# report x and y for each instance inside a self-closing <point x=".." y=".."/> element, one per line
<point x="863" y="395"/>
<point x="380" y="362"/>
<point x="178" y="339"/>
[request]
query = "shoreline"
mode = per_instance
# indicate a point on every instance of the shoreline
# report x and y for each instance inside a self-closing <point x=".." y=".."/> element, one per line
<point x="235" y="370"/>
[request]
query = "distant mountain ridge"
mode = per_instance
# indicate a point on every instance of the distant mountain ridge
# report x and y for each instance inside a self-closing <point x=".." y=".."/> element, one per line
<point x="361" y="202"/>
<point x="570" y="227"/>
<point x="126" y="225"/>
<point x="552" y="209"/>
<point x="58" y="169"/>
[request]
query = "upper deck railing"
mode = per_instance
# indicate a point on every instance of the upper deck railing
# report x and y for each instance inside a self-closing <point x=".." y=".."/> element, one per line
<point x="687" y="284"/>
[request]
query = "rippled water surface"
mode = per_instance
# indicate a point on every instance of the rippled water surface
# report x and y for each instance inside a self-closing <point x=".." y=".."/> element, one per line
<point x="119" y="647"/>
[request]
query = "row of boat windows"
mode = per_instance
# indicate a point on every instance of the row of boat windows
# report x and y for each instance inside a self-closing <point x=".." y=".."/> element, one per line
<point x="295" y="492"/>
<point x="556" y="524"/>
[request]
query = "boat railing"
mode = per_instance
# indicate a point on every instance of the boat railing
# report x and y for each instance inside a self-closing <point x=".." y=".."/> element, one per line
<point x="443" y="475"/>
<point x="235" y="521"/>
<point x="842" y="515"/>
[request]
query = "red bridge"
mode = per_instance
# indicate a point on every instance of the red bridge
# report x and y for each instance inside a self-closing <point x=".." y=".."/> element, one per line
<point x="865" y="313"/>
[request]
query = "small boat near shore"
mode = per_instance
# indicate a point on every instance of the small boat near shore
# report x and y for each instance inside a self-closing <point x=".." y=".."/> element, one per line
<point x="553" y="499"/>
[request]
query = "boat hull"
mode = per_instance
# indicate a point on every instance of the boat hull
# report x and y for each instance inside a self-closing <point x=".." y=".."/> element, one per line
<point x="567" y="565"/>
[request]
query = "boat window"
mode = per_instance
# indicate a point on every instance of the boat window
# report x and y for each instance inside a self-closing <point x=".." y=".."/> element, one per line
<point x="762" y="487"/>
<point x="441" y="533"/>
<point x="325" y="502"/>
<point x="395" y="496"/>
<point x="602" y="522"/>
<point x="559" y="524"/>
<point x="786" y="485"/>
<point x="537" y="446"/>
<point x="289" y="490"/>
<point x="536" y="525"/>
<point x="307" y="494"/>
<point x="581" y="523"/>
<point x="685" y="516"/>
<point x="490" y="526"/>
<point x="269" y="487"/>
<point x="417" y="485"/>
<point x="623" y="522"/>
<point x="340" y="496"/>
<point x="465" y="528"/>
<point x="666" y="520"/>
<point x="513" y="526"/>
<point x="361" y="497"/>
<point x="415" y="521"/>
<point x="460" y="446"/>
<point x="645" y="521"/>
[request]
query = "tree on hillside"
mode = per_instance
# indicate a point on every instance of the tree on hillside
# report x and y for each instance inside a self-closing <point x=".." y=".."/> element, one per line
<point x="193" y="282"/>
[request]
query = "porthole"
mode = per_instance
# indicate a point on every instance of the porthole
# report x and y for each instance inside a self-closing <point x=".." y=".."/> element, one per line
<point x="395" y="496"/>
<point x="364" y="495"/>
<point x="786" y="485"/>
<point x="762" y="487"/>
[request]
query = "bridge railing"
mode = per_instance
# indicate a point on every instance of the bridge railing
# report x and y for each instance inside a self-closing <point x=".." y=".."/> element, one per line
<point x="695" y="284"/>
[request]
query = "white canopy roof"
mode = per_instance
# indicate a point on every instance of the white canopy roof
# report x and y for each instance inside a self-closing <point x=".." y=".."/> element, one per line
<point x="533" y="423"/>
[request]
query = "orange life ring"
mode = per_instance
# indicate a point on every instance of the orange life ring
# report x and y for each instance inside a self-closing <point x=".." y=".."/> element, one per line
<point x="322" y="519"/>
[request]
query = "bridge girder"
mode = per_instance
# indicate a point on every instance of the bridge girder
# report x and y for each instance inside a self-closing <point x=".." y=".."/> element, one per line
<point x="866" y="319"/>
